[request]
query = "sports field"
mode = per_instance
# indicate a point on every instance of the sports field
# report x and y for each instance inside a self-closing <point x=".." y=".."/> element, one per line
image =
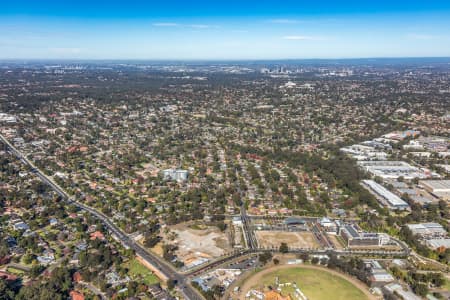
<point x="316" y="283"/>
<point x="269" y="239"/>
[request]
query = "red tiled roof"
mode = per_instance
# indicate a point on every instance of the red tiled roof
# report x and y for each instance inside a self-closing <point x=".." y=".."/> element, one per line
<point x="97" y="235"/>
<point x="77" y="277"/>
<point x="76" y="295"/>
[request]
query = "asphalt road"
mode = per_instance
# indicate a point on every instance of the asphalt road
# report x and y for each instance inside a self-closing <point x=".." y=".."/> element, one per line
<point x="252" y="243"/>
<point x="182" y="283"/>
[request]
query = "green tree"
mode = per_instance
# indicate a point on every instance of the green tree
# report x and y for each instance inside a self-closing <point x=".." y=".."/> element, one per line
<point x="265" y="257"/>
<point x="284" y="248"/>
<point x="170" y="284"/>
<point x="420" y="289"/>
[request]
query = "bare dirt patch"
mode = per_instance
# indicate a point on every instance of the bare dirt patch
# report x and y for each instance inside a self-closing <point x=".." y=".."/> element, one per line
<point x="335" y="242"/>
<point x="158" y="249"/>
<point x="269" y="239"/>
<point x="193" y="244"/>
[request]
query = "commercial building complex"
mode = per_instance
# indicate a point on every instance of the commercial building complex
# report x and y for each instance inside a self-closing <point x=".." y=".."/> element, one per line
<point x="378" y="276"/>
<point x="356" y="238"/>
<point x="364" y="152"/>
<point x="393" y="169"/>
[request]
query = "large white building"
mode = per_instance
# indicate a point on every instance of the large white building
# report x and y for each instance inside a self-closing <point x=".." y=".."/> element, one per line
<point x="384" y="196"/>
<point x="175" y="174"/>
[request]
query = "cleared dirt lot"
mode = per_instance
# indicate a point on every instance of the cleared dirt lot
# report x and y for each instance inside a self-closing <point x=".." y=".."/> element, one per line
<point x="336" y="242"/>
<point x="196" y="242"/>
<point x="211" y="242"/>
<point x="292" y="239"/>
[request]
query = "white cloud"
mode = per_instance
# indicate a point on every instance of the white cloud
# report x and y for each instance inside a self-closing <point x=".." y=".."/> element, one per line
<point x="172" y="24"/>
<point x="199" y="26"/>
<point x="417" y="36"/>
<point x="165" y="24"/>
<point x="240" y="31"/>
<point x="284" y="21"/>
<point x="301" y="38"/>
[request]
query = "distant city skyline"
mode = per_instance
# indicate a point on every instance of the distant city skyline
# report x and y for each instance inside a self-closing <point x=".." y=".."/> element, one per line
<point x="223" y="30"/>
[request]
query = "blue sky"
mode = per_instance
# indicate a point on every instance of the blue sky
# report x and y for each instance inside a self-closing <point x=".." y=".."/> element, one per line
<point x="215" y="29"/>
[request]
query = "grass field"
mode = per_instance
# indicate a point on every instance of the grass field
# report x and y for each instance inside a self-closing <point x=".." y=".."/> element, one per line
<point x="15" y="271"/>
<point x="447" y="284"/>
<point x="137" y="270"/>
<point x="196" y="226"/>
<point x="315" y="284"/>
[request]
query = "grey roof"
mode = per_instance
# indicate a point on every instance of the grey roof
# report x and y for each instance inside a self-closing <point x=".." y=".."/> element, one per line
<point x="352" y="231"/>
<point x="294" y="220"/>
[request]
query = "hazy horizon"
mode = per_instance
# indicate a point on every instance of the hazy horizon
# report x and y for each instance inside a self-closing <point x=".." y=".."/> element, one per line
<point x="231" y="30"/>
<point x="349" y="60"/>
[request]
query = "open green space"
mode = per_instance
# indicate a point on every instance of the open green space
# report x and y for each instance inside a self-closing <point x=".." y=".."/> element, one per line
<point x="315" y="284"/>
<point x="197" y="226"/>
<point x="137" y="270"/>
<point x="447" y="285"/>
<point x="15" y="271"/>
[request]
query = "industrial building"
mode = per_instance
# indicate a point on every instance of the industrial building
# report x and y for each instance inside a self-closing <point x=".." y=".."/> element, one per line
<point x="438" y="243"/>
<point x="427" y="230"/>
<point x="393" y="169"/>
<point x="433" y="235"/>
<point x="385" y="197"/>
<point x="438" y="188"/>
